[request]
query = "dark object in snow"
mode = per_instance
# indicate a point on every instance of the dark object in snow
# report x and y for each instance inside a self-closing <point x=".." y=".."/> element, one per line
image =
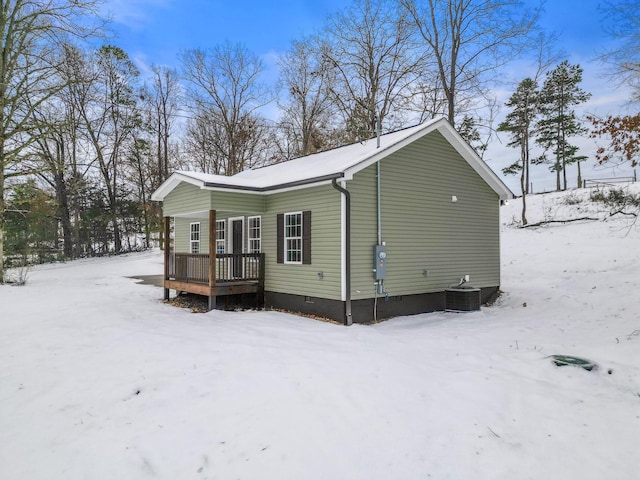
<point x="462" y="298"/>
<point x="563" y="360"/>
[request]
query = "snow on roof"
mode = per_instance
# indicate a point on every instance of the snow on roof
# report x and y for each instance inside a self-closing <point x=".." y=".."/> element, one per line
<point x="329" y="162"/>
<point x="339" y="162"/>
<point x="318" y="165"/>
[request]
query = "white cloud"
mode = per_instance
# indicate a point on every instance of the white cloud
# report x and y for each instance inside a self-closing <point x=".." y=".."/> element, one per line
<point x="133" y="13"/>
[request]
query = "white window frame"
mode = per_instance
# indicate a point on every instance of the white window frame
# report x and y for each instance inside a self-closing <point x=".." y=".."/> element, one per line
<point x="251" y="229"/>
<point x="221" y="243"/>
<point x="230" y="235"/>
<point x="293" y="238"/>
<point x="194" y="243"/>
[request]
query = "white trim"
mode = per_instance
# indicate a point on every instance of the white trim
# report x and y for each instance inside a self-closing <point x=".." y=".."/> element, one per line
<point x="194" y="242"/>
<point x="172" y="182"/>
<point x="479" y="165"/>
<point x="203" y="214"/>
<point x="231" y="265"/>
<point x="456" y="141"/>
<point x="242" y="184"/>
<point x="224" y="240"/>
<point x="176" y="178"/>
<point x="269" y="192"/>
<point x="343" y="245"/>
<point x="388" y="150"/>
<point x="284" y="219"/>
<point x="249" y="218"/>
<point x="230" y="239"/>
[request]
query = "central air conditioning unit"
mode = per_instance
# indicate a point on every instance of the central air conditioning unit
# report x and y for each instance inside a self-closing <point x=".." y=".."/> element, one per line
<point x="462" y="299"/>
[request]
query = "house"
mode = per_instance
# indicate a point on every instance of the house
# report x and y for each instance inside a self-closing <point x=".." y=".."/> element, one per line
<point x="370" y="230"/>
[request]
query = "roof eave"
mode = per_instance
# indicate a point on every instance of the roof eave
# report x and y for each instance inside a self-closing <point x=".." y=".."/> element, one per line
<point x="176" y="178"/>
<point x="476" y="162"/>
<point x="274" y="188"/>
<point x="453" y="137"/>
<point x="172" y="182"/>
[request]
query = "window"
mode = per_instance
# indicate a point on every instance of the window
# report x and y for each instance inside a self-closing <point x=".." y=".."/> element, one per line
<point x="221" y="236"/>
<point x="254" y="235"/>
<point x="194" y="239"/>
<point x="293" y="237"/>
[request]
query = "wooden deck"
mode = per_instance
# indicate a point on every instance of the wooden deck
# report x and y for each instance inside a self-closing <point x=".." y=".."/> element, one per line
<point x="234" y="274"/>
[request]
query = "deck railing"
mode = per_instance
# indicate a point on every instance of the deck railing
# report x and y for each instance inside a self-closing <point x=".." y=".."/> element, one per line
<point x="229" y="267"/>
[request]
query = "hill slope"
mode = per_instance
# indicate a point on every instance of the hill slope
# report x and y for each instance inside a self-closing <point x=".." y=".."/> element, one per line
<point x="101" y="380"/>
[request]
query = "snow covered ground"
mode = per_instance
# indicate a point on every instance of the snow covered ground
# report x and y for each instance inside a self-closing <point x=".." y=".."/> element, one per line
<point x="101" y="380"/>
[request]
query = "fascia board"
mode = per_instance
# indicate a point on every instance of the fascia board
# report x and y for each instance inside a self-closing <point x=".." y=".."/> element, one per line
<point x="386" y="151"/>
<point x="172" y="182"/>
<point x="475" y="162"/>
<point x="273" y="191"/>
<point x="176" y="178"/>
<point x="462" y="147"/>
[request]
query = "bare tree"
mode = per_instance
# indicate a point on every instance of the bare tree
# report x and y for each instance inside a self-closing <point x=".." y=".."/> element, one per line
<point x="306" y="108"/>
<point x="141" y="163"/>
<point x="370" y="51"/>
<point x="51" y="160"/>
<point x="163" y="97"/>
<point x="103" y="94"/>
<point x="622" y="22"/>
<point x="224" y="89"/>
<point x="199" y="144"/>
<point x="30" y="30"/>
<point x="470" y="40"/>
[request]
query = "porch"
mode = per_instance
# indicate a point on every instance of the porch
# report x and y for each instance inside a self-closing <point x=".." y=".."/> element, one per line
<point x="218" y="276"/>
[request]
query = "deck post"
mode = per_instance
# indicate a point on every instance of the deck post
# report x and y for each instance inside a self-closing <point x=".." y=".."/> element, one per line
<point x="167" y="253"/>
<point x="212" y="257"/>
<point x="261" y="275"/>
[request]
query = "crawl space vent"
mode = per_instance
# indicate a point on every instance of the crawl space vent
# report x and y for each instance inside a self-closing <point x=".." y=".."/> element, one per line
<point x="462" y="299"/>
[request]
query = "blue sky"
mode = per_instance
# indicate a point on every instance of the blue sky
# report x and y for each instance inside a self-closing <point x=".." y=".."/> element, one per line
<point x="156" y="31"/>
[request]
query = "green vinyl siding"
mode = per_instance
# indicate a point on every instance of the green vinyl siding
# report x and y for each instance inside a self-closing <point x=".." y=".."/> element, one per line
<point x="422" y="227"/>
<point x="188" y="204"/>
<point x="186" y="199"/>
<point x="324" y="203"/>
<point x="234" y="202"/>
<point x="182" y="234"/>
<point x="182" y="231"/>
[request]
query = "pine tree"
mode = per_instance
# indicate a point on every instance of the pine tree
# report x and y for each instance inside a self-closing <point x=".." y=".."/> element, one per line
<point x="558" y="97"/>
<point x="519" y="123"/>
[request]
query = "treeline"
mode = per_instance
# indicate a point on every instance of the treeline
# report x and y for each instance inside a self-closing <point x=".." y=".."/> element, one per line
<point x="85" y="137"/>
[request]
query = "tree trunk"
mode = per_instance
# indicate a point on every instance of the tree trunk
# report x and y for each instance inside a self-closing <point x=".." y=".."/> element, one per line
<point x="117" y="241"/>
<point x="65" y="215"/>
<point x="1" y="215"/>
<point x="523" y="179"/>
<point x="77" y="244"/>
<point x="528" y="180"/>
<point x="579" y="176"/>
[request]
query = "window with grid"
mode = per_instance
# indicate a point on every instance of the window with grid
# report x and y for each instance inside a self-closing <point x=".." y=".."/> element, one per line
<point x="254" y="235"/>
<point x="293" y="237"/>
<point x="194" y="239"/>
<point x="221" y="236"/>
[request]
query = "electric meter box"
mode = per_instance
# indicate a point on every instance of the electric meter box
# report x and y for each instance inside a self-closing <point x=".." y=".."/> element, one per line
<point x="380" y="262"/>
